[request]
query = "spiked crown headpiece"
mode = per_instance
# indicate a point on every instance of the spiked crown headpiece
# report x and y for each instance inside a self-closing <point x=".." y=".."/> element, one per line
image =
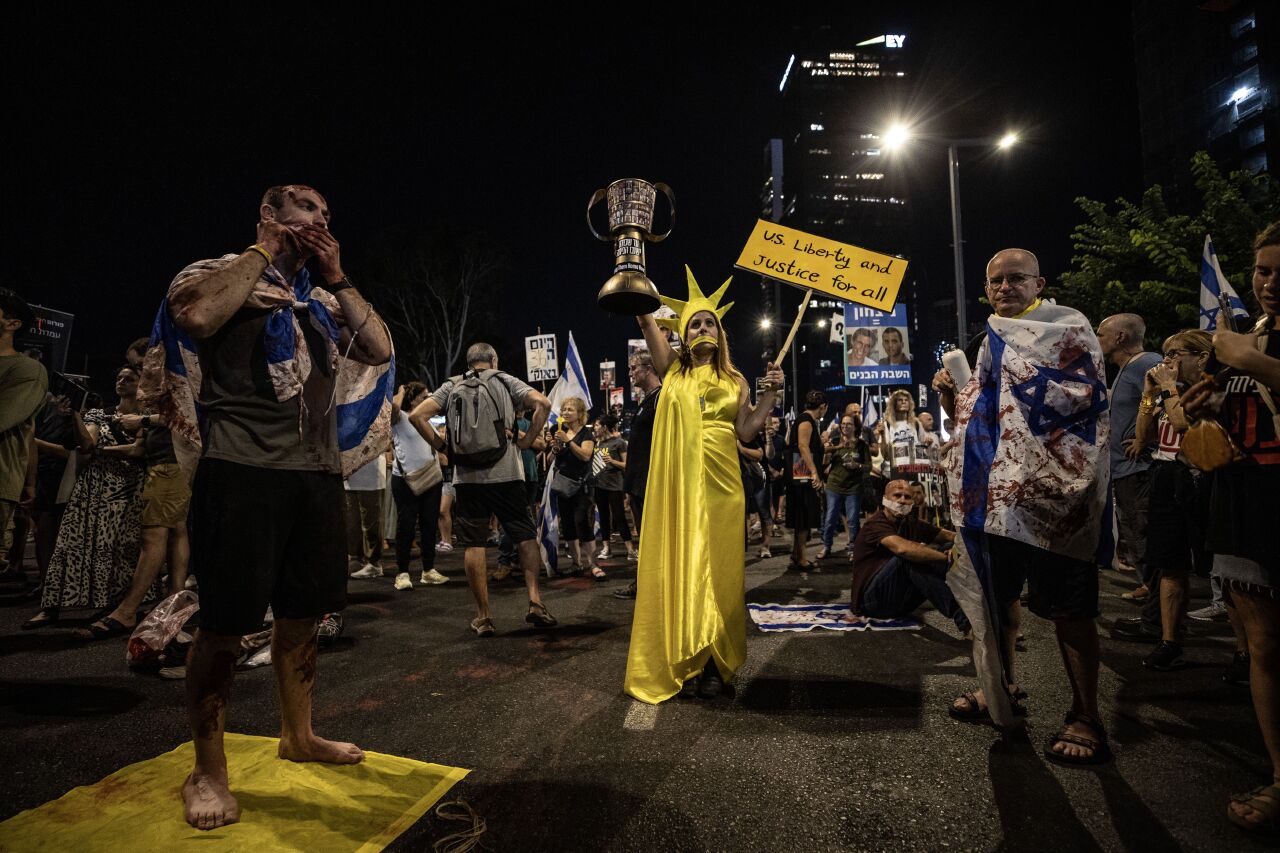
<point x="695" y="303"/>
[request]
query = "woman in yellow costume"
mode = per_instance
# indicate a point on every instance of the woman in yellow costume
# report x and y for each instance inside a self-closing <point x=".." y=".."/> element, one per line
<point x="689" y="633"/>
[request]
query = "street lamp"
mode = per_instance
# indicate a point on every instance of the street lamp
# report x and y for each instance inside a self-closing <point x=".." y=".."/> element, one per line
<point x="895" y="138"/>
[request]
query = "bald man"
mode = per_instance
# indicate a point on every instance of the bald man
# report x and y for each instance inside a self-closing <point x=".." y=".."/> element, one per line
<point x="900" y="561"/>
<point x="1063" y="588"/>
<point x="1121" y="338"/>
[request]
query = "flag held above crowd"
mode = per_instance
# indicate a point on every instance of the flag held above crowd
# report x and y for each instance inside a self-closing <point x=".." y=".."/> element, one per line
<point x="1213" y="284"/>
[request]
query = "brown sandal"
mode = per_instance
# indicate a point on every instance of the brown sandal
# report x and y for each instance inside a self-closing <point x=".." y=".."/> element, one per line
<point x="1265" y="800"/>
<point x="1101" y="751"/>
<point x="539" y="615"/>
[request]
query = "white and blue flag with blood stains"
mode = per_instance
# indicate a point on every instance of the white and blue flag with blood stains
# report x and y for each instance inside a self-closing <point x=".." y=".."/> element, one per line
<point x="362" y="392"/>
<point x="1212" y="285"/>
<point x="1032" y="463"/>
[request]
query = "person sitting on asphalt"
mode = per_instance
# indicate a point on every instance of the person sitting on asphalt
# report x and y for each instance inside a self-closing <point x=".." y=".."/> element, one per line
<point x="896" y="566"/>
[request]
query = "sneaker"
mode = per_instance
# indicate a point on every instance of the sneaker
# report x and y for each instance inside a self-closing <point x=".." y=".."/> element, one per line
<point x="443" y="546"/>
<point x="823" y="553"/>
<point x="627" y="592"/>
<point x="755" y="530"/>
<point x="431" y="577"/>
<point x="330" y="629"/>
<point x="1237" y="673"/>
<point x="633" y="557"/>
<point x="403" y="582"/>
<point x="483" y="627"/>
<point x="766" y="554"/>
<point x="369" y="571"/>
<point x="604" y="553"/>
<point x="1212" y="613"/>
<point x="1164" y="657"/>
<point x="353" y="565"/>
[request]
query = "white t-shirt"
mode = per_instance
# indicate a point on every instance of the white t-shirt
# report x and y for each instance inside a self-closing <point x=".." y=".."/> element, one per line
<point x="371" y="477"/>
<point x="411" y="450"/>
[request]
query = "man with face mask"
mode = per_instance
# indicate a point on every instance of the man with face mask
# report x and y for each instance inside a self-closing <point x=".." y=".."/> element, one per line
<point x="896" y="566"/>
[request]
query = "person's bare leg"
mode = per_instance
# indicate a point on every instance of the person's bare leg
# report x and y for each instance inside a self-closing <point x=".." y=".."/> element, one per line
<point x="531" y="565"/>
<point x="1009" y="629"/>
<point x="1173" y="607"/>
<point x="798" y="540"/>
<point x="473" y="560"/>
<point x="210" y="667"/>
<point x="151" y="553"/>
<point x="1078" y="643"/>
<point x="179" y="558"/>
<point x="1237" y="628"/>
<point x="1259" y="616"/>
<point x="446" y="519"/>
<point x="293" y="655"/>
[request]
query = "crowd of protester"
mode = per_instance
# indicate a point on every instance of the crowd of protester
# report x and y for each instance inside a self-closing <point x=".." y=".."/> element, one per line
<point x="99" y="489"/>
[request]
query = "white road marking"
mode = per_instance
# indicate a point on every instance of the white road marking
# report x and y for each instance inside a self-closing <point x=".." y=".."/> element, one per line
<point x="640" y="717"/>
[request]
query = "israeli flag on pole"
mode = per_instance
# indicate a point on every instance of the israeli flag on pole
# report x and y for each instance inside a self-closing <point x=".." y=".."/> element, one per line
<point x="572" y="382"/>
<point x="1213" y="283"/>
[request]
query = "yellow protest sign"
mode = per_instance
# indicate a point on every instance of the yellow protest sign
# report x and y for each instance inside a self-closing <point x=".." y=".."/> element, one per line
<point x="846" y="272"/>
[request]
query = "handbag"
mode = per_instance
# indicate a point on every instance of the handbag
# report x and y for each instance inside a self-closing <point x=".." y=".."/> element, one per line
<point x="427" y="477"/>
<point x="565" y="487"/>
<point x="1208" y="446"/>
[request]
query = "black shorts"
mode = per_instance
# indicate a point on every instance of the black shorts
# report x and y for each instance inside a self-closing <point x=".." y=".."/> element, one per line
<point x="264" y="536"/>
<point x="475" y="503"/>
<point x="1060" y="587"/>
<point x="1175" y="519"/>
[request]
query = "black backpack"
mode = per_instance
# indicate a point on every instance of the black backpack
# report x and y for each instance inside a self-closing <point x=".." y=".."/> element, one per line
<point x="480" y="412"/>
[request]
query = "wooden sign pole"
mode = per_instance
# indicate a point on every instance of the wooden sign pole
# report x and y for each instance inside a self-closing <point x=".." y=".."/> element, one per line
<point x="782" y="353"/>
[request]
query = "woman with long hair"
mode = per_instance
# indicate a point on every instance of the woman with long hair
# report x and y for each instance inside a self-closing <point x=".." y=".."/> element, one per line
<point x="689" y="632"/>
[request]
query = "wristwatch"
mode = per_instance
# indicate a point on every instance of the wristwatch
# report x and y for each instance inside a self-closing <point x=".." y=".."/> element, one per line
<point x="341" y="284"/>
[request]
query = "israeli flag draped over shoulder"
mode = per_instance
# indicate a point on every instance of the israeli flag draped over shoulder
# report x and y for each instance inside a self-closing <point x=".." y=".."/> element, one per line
<point x="572" y="383"/>
<point x="1032" y="464"/>
<point x="362" y="394"/>
<point x="1212" y="284"/>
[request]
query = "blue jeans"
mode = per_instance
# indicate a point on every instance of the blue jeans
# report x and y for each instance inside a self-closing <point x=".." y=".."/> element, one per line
<point x="848" y="505"/>
<point x="901" y="586"/>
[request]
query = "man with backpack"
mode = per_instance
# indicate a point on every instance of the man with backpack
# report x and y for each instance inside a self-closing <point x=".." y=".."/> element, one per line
<point x="480" y="408"/>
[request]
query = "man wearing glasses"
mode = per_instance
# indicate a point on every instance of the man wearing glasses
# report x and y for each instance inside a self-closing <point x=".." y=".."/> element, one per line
<point x="1028" y="488"/>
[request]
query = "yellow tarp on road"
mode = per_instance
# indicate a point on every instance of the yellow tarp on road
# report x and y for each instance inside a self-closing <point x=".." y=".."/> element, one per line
<point x="283" y="805"/>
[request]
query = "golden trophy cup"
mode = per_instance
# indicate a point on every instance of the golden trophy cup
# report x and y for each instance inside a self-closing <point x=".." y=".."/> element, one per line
<point x="631" y="202"/>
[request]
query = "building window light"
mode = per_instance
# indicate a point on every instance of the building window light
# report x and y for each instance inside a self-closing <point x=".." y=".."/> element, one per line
<point x="816" y="127"/>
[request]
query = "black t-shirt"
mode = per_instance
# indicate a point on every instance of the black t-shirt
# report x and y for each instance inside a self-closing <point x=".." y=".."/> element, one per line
<point x="569" y="464"/>
<point x="157" y="443"/>
<point x="869" y="556"/>
<point x="1245" y="496"/>
<point x="641" y="439"/>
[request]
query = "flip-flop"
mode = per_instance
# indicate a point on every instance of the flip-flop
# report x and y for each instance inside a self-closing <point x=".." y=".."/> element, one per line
<point x="107" y="627"/>
<point x="598" y="573"/>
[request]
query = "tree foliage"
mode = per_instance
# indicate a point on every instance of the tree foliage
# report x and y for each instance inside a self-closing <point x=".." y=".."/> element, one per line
<point x="437" y="290"/>
<point x="1144" y="258"/>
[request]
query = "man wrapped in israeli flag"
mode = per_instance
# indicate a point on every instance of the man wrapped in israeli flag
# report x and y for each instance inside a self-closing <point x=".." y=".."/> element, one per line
<point x="1029" y="494"/>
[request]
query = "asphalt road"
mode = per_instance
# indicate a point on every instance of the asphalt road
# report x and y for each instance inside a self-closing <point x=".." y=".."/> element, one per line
<point x="829" y="741"/>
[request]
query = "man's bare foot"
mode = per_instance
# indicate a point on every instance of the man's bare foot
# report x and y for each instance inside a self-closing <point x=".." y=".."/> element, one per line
<point x="208" y="801"/>
<point x="319" y="749"/>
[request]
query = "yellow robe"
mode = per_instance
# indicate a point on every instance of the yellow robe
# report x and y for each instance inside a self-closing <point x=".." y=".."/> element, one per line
<point x="690" y="603"/>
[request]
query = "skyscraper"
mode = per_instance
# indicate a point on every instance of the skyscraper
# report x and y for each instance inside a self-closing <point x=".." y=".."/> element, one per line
<point x="1206" y="75"/>
<point x="825" y="172"/>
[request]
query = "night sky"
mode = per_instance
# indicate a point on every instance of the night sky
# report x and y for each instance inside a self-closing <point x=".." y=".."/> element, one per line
<point x="136" y="144"/>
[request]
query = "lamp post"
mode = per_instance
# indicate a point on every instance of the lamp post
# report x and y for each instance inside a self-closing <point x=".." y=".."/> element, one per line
<point x="895" y="138"/>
